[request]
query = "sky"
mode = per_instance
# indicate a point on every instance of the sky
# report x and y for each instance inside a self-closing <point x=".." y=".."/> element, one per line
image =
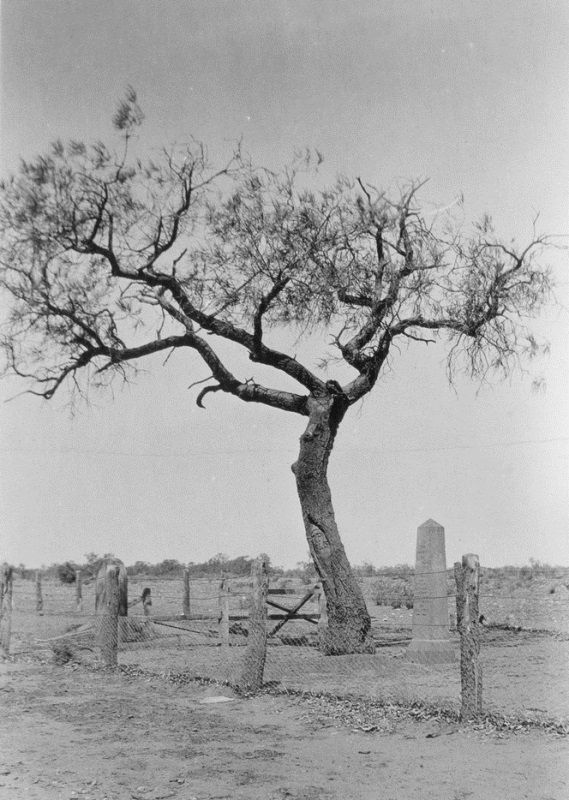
<point x="472" y="96"/>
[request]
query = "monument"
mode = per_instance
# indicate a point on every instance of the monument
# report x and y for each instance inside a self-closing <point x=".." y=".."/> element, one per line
<point x="431" y="643"/>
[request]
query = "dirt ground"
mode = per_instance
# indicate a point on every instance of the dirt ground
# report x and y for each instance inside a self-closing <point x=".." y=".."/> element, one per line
<point x="75" y="732"/>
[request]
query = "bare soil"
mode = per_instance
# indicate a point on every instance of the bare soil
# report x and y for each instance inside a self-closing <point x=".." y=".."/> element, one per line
<point x="77" y="732"/>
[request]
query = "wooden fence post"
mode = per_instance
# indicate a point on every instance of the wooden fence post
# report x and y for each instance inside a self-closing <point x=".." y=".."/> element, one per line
<point x="6" y="602"/>
<point x="467" y="577"/>
<point x="101" y="587"/>
<point x="323" y="612"/>
<point x="109" y="622"/>
<point x="186" y="603"/>
<point x="251" y="679"/>
<point x="39" y="596"/>
<point x="224" y="612"/>
<point x="146" y="601"/>
<point x="79" y="590"/>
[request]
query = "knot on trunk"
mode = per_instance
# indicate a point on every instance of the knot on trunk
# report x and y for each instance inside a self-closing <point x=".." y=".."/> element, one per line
<point x="340" y="405"/>
<point x="319" y="541"/>
<point x="310" y="432"/>
<point x="325" y="413"/>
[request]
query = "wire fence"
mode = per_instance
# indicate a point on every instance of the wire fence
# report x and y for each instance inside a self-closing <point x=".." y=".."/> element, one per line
<point x="203" y="629"/>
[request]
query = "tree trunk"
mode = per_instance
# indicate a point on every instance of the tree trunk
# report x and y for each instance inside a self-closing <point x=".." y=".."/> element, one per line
<point x="348" y="619"/>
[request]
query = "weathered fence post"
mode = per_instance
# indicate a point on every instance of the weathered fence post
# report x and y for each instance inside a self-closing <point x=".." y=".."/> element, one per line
<point x="467" y="576"/>
<point x="251" y="678"/>
<point x="322" y="611"/>
<point x="186" y="602"/>
<point x="146" y="601"/>
<point x="224" y="613"/>
<point x="79" y="590"/>
<point x="101" y="588"/>
<point x="39" y="596"/>
<point x="109" y="622"/>
<point x="6" y="601"/>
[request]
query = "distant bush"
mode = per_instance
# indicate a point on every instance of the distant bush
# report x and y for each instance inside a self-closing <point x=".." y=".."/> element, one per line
<point x="395" y="593"/>
<point x="215" y="567"/>
<point x="305" y="571"/>
<point x="540" y="569"/>
<point x="66" y="572"/>
<point x="535" y="569"/>
<point x="365" y="570"/>
<point x="402" y="571"/>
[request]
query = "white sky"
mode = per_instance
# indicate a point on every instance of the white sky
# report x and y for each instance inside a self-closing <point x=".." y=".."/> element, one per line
<point x="472" y="95"/>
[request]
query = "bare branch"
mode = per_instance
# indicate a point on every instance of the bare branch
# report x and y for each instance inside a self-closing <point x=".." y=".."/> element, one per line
<point x="418" y="338"/>
<point x="197" y="383"/>
<point x="207" y="390"/>
<point x="262" y="308"/>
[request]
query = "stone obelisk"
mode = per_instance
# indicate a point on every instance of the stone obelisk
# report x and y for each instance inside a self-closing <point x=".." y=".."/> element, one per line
<point x="431" y="643"/>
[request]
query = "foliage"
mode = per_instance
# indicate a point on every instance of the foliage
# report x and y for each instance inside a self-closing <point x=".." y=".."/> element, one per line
<point x="139" y="568"/>
<point x="24" y="572"/>
<point x="402" y="571"/>
<point x="304" y="570"/>
<point x="365" y="570"/>
<point x="168" y="567"/>
<point x="106" y="258"/>
<point x="66" y="572"/>
<point x="520" y="577"/>
<point x="215" y="566"/>
<point x="392" y="592"/>
<point x="542" y="570"/>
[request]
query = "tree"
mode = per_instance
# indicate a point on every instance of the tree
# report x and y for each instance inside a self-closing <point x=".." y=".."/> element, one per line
<point x="107" y="259"/>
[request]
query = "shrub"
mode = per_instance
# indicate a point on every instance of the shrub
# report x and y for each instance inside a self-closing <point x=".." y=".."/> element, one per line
<point x="66" y="572"/>
<point x="394" y="593"/>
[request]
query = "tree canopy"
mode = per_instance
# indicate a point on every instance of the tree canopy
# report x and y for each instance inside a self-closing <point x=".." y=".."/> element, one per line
<point x="107" y="258"/>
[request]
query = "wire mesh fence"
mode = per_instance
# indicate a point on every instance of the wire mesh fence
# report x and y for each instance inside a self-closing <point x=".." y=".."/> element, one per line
<point x="523" y="638"/>
<point x="524" y="643"/>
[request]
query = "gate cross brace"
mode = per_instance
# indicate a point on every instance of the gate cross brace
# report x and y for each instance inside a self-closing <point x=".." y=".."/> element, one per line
<point x="290" y="612"/>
